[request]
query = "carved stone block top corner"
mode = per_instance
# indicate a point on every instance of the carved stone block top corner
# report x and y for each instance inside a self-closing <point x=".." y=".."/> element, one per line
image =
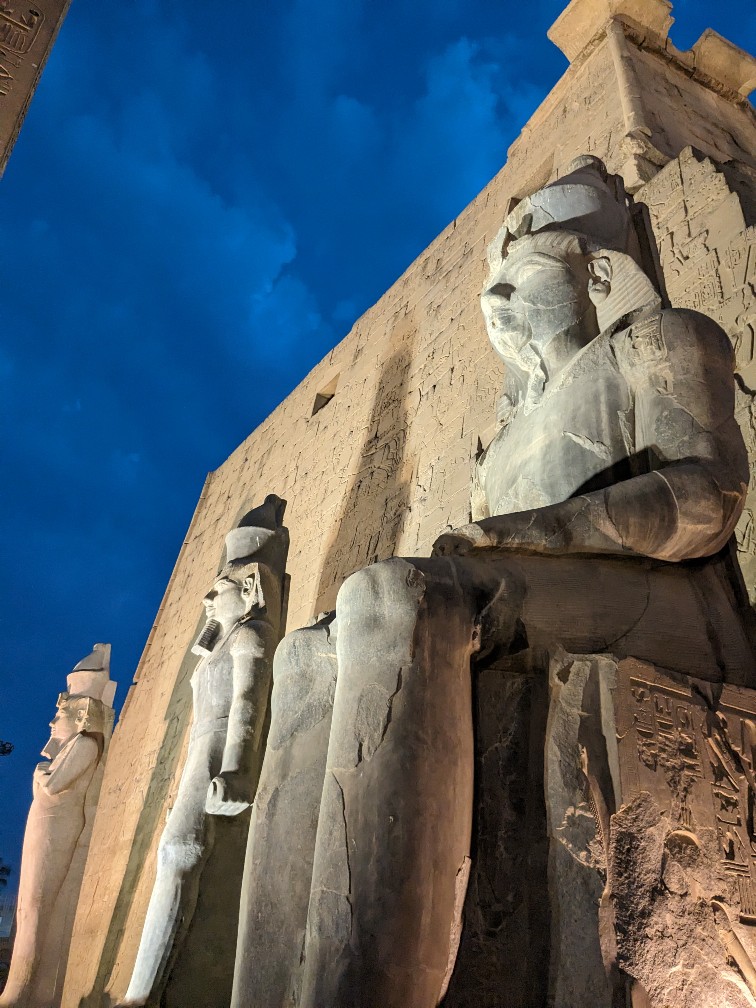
<point x="725" y="63"/>
<point x="581" y="21"/>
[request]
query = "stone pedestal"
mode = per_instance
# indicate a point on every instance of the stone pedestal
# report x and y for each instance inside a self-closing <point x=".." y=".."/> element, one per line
<point x="613" y="848"/>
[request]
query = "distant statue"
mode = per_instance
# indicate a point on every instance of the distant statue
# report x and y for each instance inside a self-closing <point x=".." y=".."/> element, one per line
<point x="619" y="462"/>
<point x="58" y="819"/>
<point x="230" y="688"/>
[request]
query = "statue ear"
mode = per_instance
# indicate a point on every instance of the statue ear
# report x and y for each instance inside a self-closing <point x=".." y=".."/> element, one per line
<point x="600" y="276"/>
<point x="252" y="592"/>
<point x="82" y="719"/>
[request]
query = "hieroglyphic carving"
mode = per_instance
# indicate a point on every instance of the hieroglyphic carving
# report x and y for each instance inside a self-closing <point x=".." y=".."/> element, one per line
<point x="704" y="240"/>
<point x="18" y="29"/>
<point x="705" y="230"/>
<point x="697" y="760"/>
<point x="27" y="34"/>
<point x="682" y="844"/>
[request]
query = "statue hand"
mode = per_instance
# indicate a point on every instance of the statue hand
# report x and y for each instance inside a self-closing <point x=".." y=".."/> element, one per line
<point x="40" y="777"/>
<point x="464" y="540"/>
<point x="41" y="773"/>
<point x="228" y="794"/>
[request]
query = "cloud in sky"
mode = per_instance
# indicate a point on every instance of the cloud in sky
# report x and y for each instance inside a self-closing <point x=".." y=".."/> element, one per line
<point x="201" y="202"/>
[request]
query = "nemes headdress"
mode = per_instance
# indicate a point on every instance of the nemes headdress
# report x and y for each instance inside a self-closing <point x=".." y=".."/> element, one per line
<point x="587" y="201"/>
<point x="91" y="691"/>
<point x="585" y="211"/>
<point x="255" y="556"/>
<point x="255" y="530"/>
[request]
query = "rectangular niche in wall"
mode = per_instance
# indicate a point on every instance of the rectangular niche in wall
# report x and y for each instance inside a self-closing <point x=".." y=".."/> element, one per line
<point x="325" y="395"/>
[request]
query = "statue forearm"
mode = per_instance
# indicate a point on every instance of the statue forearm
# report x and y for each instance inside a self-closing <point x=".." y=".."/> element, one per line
<point x="686" y="510"/>
<point x="692" y="513"/>
<point x="245" y="724"/>
<point x="252" y="671"/>
<point x="233" y="789"/>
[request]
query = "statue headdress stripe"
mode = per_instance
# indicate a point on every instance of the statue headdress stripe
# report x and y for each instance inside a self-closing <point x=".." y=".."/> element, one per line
<point x="585" y="200"/>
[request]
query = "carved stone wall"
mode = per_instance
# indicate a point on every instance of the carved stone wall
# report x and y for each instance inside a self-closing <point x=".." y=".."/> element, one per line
<point x="27" y="34"/>
<point x="385" y="465"/>
<point x="703" y="215"/>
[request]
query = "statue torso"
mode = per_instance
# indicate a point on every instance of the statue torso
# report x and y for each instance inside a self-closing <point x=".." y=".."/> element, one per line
<point x="580" y="436"/>
<point x="212" y="685"/>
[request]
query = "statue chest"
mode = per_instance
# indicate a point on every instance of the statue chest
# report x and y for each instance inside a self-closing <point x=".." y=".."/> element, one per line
<point x="580" y="437"/>
<point x="212" y="685"/>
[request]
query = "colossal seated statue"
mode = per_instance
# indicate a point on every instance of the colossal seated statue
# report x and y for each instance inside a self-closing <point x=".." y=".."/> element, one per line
<point x="602" y="513"/>
<point x="230" y="687"/>
<point x="50" y="875"/>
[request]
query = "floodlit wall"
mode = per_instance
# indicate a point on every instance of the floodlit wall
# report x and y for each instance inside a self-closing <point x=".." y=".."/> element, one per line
<point x="384" y="465"/>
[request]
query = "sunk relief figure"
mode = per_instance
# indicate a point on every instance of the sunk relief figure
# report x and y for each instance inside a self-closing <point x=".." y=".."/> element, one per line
<point x="230" y="687"/>
<point x="60" y="815"/>
<point x="619" y="469"/>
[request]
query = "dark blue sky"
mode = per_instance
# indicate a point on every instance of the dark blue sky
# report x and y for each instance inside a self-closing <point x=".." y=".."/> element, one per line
<point x="203" y="199"/>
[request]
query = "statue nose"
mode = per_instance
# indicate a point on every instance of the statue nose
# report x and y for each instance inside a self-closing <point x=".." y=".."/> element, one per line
<point x="498" y="293"/>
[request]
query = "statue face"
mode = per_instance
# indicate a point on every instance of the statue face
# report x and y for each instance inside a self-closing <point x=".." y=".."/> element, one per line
<point x="63" y="726"/>
<point x="225" y="602"/>
<point x="538" y="294"/>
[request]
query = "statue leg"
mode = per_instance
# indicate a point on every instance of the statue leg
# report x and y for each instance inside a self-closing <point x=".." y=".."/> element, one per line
<point x="278" y="863"/>
<point x="182" y="851"/>
<point x="393" y="837"/>
<point x="49" y="845"/>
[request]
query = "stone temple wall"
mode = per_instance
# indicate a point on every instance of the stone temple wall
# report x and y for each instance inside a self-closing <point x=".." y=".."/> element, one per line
<point x="703" y="215"/>
<point x="385" y="465"/>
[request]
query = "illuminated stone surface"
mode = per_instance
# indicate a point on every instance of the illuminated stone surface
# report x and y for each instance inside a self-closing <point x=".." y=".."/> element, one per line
<point x="618" y="449"/>
<point x="58" y="830"/>
<point x="230" y="687"/>
<point x="376" y="451"/>
<point x="27" y="34"/>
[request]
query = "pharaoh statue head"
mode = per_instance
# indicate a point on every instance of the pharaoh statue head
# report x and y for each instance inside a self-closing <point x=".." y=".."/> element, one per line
<point x="561" y="273"/>
<point x="86" y="706"/>
<point x="243" y="587"/>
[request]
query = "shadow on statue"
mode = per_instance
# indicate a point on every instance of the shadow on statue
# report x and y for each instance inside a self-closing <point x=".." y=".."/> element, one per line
<point x="507" y="907"/>
<point x="377" y="487"/>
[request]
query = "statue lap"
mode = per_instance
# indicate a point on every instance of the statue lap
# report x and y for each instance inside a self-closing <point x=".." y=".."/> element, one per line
<point x="411" y="640"/>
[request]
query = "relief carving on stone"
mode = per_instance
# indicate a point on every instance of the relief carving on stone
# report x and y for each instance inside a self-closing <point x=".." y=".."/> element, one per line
<point x="686" y="766"/>
<point x="704" y="223"/>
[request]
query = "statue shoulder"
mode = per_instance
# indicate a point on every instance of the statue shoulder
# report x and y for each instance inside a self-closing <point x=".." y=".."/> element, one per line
<point x="244" y="639"/>
<point x="670" y="345"/>
<point x="695" y="339"/>
<point x="641" y="353"/>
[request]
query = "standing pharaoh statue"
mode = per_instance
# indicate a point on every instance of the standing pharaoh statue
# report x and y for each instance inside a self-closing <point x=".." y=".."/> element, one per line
<point x="230" y="688"/>
<point x="619" y="469"/>
<point x="65" y="788"/>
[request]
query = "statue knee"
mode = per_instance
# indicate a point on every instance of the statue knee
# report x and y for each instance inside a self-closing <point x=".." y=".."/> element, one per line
<point x="381" y="597"/>
<point x="288" y="650"/>
<point x="301" y="651"/>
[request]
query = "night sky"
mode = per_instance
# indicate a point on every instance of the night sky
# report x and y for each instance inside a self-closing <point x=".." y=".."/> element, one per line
<point x="203" y="199"/>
